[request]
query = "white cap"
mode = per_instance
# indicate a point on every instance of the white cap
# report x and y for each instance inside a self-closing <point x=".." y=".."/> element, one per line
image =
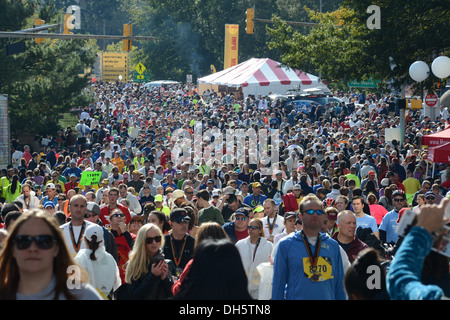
<point x="94" y="229"/>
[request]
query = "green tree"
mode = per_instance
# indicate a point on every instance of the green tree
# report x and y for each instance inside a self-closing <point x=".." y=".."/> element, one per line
<point x="410" y="31"/>
<point x="43" y="82"/>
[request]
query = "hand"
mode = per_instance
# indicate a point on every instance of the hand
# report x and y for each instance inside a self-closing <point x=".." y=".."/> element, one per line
<point x="431" y="216"/>
<point x="123" y="227"/>
<point x="157" y="268"/>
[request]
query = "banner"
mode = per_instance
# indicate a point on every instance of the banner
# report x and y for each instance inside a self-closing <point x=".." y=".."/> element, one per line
<point x="231" y="45"/>
<point x="90" y="177"/>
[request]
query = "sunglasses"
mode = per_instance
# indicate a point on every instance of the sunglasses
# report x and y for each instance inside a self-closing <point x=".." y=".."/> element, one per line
<point x="311" y="212"/>
<point x="149" y="240"/>
<point x="44" y="242"/>
<point x="430" y="198"/>
<point x="241" y="218"/>
<point x="253" y="227"/>
<point x="398" y="199"/>
<point x="117" y="215"/>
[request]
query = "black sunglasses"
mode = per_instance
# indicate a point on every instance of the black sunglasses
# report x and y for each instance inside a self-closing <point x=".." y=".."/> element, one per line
<point x="398" y="199"/>
<point x="117" y="215"/>
<point x="44" y="242"/>
<point x="149" y="240"/>
<point x="253" y="227"/>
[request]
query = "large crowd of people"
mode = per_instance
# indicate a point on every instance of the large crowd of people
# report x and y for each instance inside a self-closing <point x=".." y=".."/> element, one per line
<point x="175" y="191"/>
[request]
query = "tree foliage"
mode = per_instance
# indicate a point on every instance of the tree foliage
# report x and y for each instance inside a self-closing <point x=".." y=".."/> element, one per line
<point x="410" y="31"/>
<point x="43" y="82"/>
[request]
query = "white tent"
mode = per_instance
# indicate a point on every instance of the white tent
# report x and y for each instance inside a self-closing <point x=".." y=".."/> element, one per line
<point x="259" y="76"/>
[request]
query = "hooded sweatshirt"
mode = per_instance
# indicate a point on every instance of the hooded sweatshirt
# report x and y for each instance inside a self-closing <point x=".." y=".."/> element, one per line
<point x="290" y="279"/>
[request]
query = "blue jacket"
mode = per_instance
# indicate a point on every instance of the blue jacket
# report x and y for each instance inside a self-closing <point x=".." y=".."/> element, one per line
<point x="289" y="279"/>
<point x="403" y="278"/>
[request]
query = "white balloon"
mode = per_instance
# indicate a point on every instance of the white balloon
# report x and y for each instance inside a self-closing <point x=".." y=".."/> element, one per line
<point x="441" y="67"/>
<point x="120" y="77"/>
<point x="419" y="71"/>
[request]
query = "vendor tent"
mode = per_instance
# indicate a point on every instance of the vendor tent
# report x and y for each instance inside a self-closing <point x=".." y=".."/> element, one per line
<point x="259" y="76"/>
<point x="437" y="138"/>
<point x="439" y="154"/>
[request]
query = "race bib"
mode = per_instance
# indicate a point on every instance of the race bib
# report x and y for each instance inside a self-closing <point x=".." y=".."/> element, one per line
<point x="321" y="272"/>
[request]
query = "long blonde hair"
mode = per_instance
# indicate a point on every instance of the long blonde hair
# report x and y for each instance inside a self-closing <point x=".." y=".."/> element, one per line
<point x="138" y="262"/>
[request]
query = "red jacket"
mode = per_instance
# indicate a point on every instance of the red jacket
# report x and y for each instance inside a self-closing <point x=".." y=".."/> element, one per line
<point x="290" y="202"/>
<point x="354" y="248"/>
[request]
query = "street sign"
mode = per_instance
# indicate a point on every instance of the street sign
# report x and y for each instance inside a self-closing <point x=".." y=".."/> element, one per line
<point x="114" y="65"/>
<point x="140" y="68"/>
<point x="140" y="78"/>
<point x="431" y="99"/>
<point x="364" y="84"/>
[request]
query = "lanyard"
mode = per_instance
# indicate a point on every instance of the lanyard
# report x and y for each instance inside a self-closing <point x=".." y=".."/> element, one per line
<point x="177" y="260"/>
<point x="312" y="258"/>
<point x="256" y="248"/>
<point x="76" y="244"/>
<point x="271" y="226"/>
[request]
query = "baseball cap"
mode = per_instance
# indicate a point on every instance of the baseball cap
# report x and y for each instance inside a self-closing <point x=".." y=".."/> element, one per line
<point x="256" y="185"/>
<point x="49" y="204"/>
<point x="258" y="209"/>
<point x="94" y="229"/>
<point x="371" y="173"/>
<point x="430" y="193"/>
<point x="159" y="198"/>
<point x="179" y="215"/>
<point x="50" y="186"/>
<point x="241" y="211"/>
<point x="297" y="187"/>
<point x="93" y="207"/>
<point x="289" y="214"/>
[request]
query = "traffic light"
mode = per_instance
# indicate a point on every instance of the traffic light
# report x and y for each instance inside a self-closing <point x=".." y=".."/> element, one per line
<point x="127" y="32"/>
<point x="250" y="14"/>
<point x="68" y="25"/>
<point x="38" y="22"/>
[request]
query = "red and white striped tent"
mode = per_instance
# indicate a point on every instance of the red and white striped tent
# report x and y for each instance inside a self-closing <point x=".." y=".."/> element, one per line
<point x="260" y="76"/>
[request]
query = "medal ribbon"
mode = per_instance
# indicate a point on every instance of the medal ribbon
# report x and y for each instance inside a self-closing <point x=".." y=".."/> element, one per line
<point x="77" y="244"/>
<point x="177" y="260"/>
<point x="271" y="226"/>
<point x="312" y="258"/>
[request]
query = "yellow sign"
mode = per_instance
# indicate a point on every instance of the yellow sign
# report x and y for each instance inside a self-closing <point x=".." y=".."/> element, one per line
<point x="140" y="68"/>
<point x="115" y="64"/>
<point x="231" y="45"/>
<point x="140" y="77"/>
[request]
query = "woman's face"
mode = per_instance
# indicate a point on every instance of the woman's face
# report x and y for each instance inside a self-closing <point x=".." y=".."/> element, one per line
<point x="153" y="247"/>
<point x="35" y="260"/>
<point x="153" y="218"/>
<point x="420" y="201"/>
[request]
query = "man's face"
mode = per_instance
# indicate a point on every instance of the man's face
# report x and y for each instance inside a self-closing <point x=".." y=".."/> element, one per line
<point x="430" y="199"/>
<point x="399" y="202"/>
<point x="92" y="217"/>
<point x="357" y="206"/>
<point x="113" y="196"/>
<point x="78" y="208"/>
<point x="123" y="192"/>
<point x="51" y="192"/>
<point x="340" y="205"/>
<point x="233" y="206"/>
<point x="241" y="221"/>
<point x="313" y="221"/>
<point x="289" y="224"/>
<point x="26" y="191"/>
<point x="269" y="209"/>
<point x="347" y="226"/>
<point x="179" y="227"/>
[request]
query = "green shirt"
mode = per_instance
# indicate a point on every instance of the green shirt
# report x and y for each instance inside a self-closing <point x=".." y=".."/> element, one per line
<point x="211" y="214"/>
<point x="354" y="177"/>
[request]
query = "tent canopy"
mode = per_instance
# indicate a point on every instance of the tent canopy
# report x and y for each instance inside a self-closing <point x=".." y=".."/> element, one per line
<point x="437" y="138"/>
<point x="261" y="76"/>
<point x="439" y="154"/>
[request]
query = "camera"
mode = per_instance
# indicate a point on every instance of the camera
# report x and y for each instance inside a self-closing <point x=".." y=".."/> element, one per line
<point x="440" y="239"/>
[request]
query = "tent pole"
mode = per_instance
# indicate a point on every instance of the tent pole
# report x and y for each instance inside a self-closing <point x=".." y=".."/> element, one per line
<point x="432" y="170"/>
